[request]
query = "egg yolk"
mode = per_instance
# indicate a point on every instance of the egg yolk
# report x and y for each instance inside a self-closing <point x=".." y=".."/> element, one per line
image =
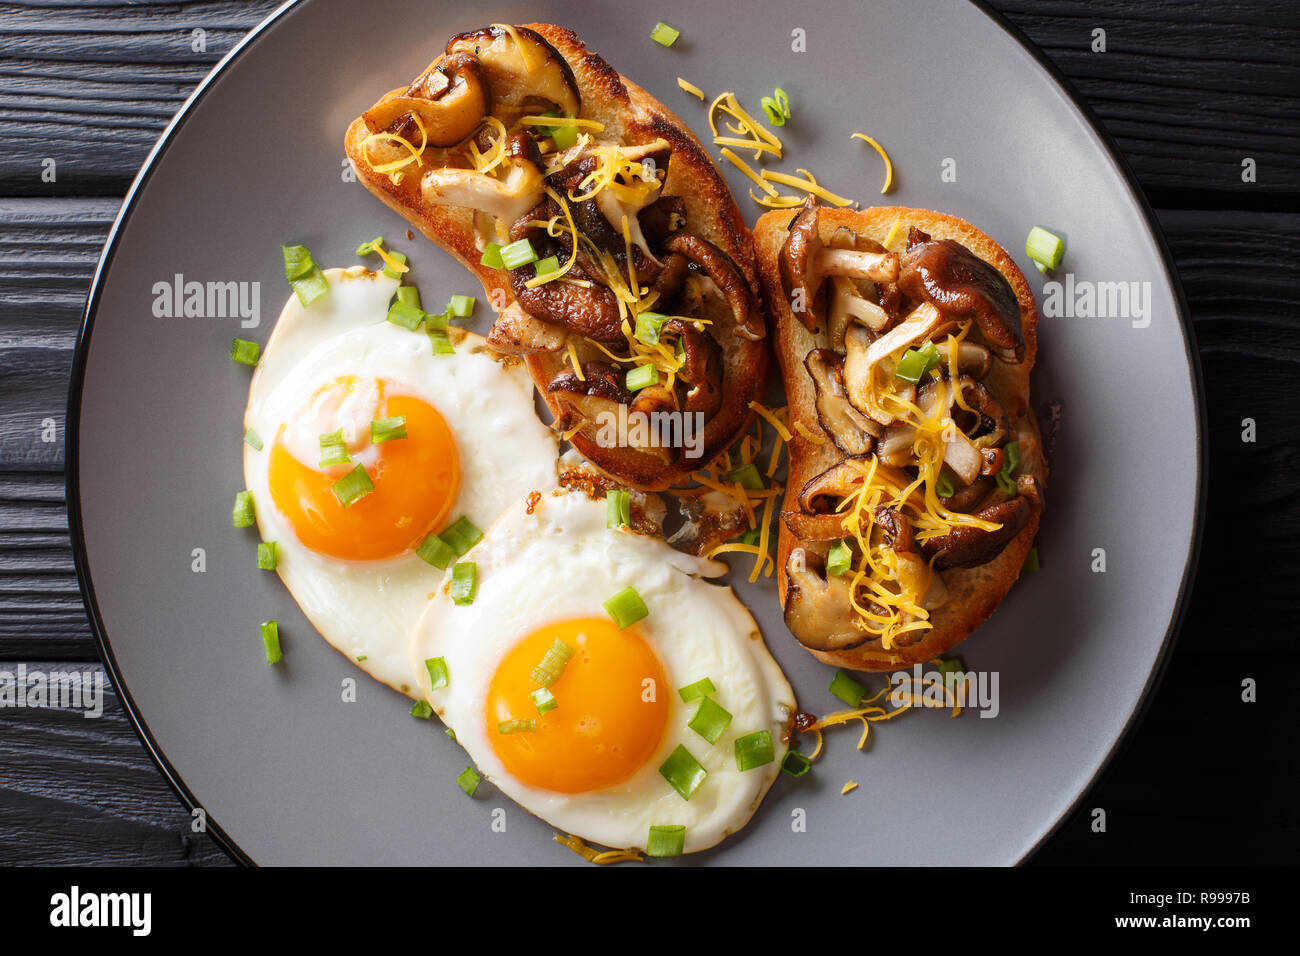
<point x="415" y="483"/>
<point x="611" y="708"/>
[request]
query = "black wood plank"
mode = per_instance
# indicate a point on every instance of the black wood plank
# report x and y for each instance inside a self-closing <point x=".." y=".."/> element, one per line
<point x="76" y="789"/>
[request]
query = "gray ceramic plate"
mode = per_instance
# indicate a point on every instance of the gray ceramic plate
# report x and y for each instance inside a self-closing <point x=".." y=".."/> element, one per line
<point x="288" y="773"/>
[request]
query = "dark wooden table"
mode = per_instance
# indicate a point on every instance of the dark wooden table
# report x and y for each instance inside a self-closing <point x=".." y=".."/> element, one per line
<point x="1189" y="91"/>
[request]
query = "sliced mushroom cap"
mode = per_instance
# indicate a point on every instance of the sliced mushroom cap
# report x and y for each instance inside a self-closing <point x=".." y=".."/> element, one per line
<point x="506" y="199"/>
<point x="515" y="332"/>
<point x="968" y="547"/>
<point x="818" y="609"/>
<point x="804" y="261"/>
<point x="520" y="72"/>
<point x="701" y="367"/>
<point x="852" y="432"/>
<point x="662" y="218"/>
<point x="866" y="358"/>
<point x="592" y="311"/>
<point x="897" y="530"/>
<point x="806" y="527"/>
<point x="450" y="98"/>
<point x="717" y="265"/>
<point x="962" y="285"/>
<point x="598" y="380"/>
<point x="835" y="484"/>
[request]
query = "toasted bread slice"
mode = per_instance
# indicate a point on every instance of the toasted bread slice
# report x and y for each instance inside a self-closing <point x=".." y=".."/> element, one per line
<point x="973" y="592"/>
<point x="631" y="117"/>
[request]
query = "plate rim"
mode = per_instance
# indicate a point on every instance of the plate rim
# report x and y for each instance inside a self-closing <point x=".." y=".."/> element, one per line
<point x="72" y="484"/>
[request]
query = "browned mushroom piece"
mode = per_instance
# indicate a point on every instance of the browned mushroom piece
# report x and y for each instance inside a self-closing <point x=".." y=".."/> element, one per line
<point x="662" y="218"/>
<point x="969" y="547"/>
<point x="598" y="380"/>
<point x="966" y="499"/>
<point x="989" y="421"/>
<point x="592" y="312"/>
<point x="717" y="265"/>
<point x="869" y="360"/>
<point x="676" y="269"/>
<point x="805" y="261"/>
<point x="506" y="199"/>
<point x="972" y="358"/>
<point x="520" y="68"/>
<point x="515" y="332"/>
<point x="961" y="285"/>
<point x="701" y="367"/>
<point x="819" y="527"/>
<point x="450" y="98"/>
<point x="852" y="432"/>
<point x="818" y="608"/>
<point x="897" y="530"/>
<point x="822" y="493"/>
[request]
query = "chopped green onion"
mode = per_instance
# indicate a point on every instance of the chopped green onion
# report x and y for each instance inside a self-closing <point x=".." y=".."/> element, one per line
<point x="461" y="306"/>
<point x="464" y="582"/>
<point x="271" y="641"/>
<point x="522" y="725"/>
<point x="795" y="764"/>
<point x="406" y="315"/>
<point x="304" y="275"/>
<point x="1010" y="462"/>
<point x="626" y="608"/>
<point x="710" y="720"/>
<point x="441" y="342"/>
<point x="746" y="476"/>
<point x="353" y="486"/>
<point x="618" y="508"/>
<point x="847" y="689"/>
<point x="243" y="515"/>
<point x="916" y="362"/>
<point x="754" y="750"/>
<point x="268" y="557"/>
<point x="389" y="271"/>
<point x="438" y="675"/>
<point x="450" y="733"/>
<point x="552" y="666"/>
<point x="368" y="247"/>
<point x="245" y="352"/>
<point x="782" y="101"/>
<point x="546" y="266"/>
<point x="773" y="112"/>
<point x="422" y="710"/>
<point x="544" y="700"/>
<point x="333" y="449"/>
<point x="701" y="688"/>
<point x="253" y="440"/>
<point x="664" y="35"/>
<point x="433" y="550"/>
<point x="752" y="536"/>
<point x="666" y="841"/>
<point x="408" y="295"/>
<point x="951" y="668"/>
<point x="469" y="780"/>
<point x="362" y="658"/>
<point x="680" y="349"/>
<point x="1044" y="248"/>
<point x="1031" y="561"/>
<point x="683" y="772"/>
<point x="564" y="137"/>
<point x="839" y="560"/>
<point x="491" y="256"/>
<point x="519" y="253"/>
<point x="943" y="487"/>
<point x="388" y="429"/>
<point x="641" y="377"/>
<point x="1011" y="456"/>
<point x="462" y="535"/>
<point x="648" y="326"/>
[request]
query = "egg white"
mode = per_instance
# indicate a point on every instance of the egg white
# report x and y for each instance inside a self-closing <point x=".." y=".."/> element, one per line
<point x="561" y="563"/>
<point x="368" y="609"/>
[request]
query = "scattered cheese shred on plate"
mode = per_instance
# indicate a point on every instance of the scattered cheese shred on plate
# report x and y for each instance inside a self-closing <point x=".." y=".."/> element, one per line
<point x="889" y="167"/>
<point x="850" y="786"/>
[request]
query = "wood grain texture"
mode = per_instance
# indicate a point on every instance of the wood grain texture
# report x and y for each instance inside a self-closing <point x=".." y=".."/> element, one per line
<point x="1188" y="90"/>
<point x="75" y="789"/>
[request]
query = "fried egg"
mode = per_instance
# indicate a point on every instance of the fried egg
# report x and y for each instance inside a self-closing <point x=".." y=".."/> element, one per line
<point x="597" y="764"/>
<point x="472" y="447"/>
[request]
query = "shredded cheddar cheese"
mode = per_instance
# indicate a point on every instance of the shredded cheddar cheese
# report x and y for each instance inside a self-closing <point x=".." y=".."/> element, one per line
<point x="690" y="88"/>
<point x="889" y="167"/>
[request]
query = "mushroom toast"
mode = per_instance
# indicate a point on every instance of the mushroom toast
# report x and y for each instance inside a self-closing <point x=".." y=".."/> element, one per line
<point x="905" y="339"/>
<point x="620" y="267"/>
